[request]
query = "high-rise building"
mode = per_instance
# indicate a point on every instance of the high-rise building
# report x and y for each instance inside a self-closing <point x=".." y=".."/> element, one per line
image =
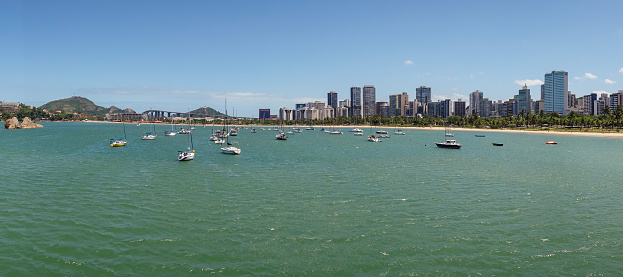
<point x="445" y="108"/>
<point x="369" y="100"/>
<point x="286" y="114"/>
<point x="523" y="100"/>
<point x="398" y="104"/>
<point x="554" y="90"/>
<point x="382" y="108"/>
<point x="423" y="95"/>
<point x="616" y="99"/>
<point x="474" y="102"/>
<point x="459" y="108"/>
<point x="355" y="101"/>
<point x="264" y="114"/>
<point x="332" y="99"/>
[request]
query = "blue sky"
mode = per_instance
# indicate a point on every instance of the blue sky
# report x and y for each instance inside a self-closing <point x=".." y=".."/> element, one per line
<point x="180" y="55"/>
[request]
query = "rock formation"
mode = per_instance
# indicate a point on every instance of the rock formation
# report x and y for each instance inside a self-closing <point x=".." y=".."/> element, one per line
<point x="13" y="123"/>
<point x="29" y="124"/>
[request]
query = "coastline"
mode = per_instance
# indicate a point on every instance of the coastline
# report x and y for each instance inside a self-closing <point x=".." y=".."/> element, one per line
<point x="440" y="128"/>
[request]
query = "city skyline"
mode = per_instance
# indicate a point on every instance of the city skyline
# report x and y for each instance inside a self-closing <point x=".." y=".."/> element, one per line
<point x="161" y="55"/>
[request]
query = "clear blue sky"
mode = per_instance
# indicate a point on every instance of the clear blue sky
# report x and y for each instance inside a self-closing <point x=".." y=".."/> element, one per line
<point x="179" y="55"/>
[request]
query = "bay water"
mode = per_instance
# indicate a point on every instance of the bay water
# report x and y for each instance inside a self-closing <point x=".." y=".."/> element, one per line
<point x="316" y="204"/>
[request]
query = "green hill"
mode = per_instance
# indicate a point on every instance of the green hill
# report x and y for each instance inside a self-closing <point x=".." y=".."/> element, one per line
<point x="77" y="104"/>
<point x="206" y="112"/>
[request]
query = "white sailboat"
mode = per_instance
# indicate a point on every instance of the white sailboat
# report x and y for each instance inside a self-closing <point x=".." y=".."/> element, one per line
<point x="118" y="142"/>
<point x="151" y="135"/>
<point x="170" y="133"/>
<point x="229" y="148"/>
<point x="189" y="154"/>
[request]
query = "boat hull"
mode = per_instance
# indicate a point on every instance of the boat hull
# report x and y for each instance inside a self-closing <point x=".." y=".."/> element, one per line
<point x="117" y="143"/>
<point x="449" y="146"/>
<point x="231" y="150"/>
<point x="186" y="156"/>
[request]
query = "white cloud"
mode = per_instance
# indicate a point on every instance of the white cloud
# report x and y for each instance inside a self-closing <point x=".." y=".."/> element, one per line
<point x="599" y="92"/>
<point x="409" y="62"/>
<point x="608" y="81"/>
<point x="528" y="82"/>
<point x="621" y="70"/>
<point x="586" y="76"/>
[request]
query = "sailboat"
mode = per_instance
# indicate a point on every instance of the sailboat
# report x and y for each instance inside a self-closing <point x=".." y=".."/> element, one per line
<point x="450" y="143"/>
<point x="398" y="131"/>
<point x="170" y="133"/>
<point x="118" y="142"/>
<point x="229" y="148"/>
<point x="281" y="135"/>
<point x="151" y="135"/>
<point x="189" y="154"/>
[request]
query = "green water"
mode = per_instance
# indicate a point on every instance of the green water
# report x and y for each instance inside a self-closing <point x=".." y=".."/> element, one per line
<point x="316" y="204"/>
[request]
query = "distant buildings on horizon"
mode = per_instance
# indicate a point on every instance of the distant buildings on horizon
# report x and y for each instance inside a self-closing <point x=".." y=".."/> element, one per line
<point x="555" y="97"/>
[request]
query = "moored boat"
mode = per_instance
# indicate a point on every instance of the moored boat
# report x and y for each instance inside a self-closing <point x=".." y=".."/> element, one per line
<point x="450" y="143"/>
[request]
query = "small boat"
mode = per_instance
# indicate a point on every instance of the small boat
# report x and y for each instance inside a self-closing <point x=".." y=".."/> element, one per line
<point x="281" y="136"/>
<point x="149" y="135"/>
<point x="551" y="142"/>
<point x="382" y="132"/>
<point x="384" y="136"/>
<point x="170" y="133"/>
<point x="356" y="130"/>
<point x="310" y="128"/>
<point x="253" y="130"/>
<point x="498" y="144"/>
<point x="399" y="132"/>
<point x="479" y="136"/>
<point x="229" y="148"/>
<point x="184" y="131"/>
<point x="450" y="143"/>
<point x="336" y="132"/>
<point x="373" y="138"/>
<point x="118" y="142"/>
<point x="189" y="154"/>
<point x="358" y="134"/>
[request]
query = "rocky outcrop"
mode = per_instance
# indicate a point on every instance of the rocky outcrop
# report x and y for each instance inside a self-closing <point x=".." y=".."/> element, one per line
<point x="13" y="123"/>
<point x="29" y="124"/>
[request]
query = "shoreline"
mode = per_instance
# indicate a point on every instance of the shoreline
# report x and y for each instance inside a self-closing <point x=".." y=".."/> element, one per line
<point x="454" y="129"/>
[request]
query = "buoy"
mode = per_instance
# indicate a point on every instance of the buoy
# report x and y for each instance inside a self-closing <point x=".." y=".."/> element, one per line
<point x="551" y="142"/>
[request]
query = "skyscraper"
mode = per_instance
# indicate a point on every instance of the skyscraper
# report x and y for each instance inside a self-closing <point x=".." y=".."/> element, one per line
<point x="459" y="108"/>
<point x="423" y="95"/>
<point x="369" y="100"/>
<point x="398" y="104"/>
<point x="474" y="102"/>
<point x="523" y="100"/>
<point x="355" y="101"/>
<point x="332" y="101"/>
<point x="554" y="89"/>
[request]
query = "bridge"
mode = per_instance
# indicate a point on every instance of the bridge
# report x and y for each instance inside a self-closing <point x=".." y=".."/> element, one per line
<point x="155" y="114"/>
